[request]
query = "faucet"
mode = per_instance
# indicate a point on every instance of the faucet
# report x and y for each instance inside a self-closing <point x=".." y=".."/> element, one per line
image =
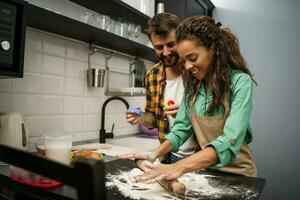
<point x="102" y="132"/>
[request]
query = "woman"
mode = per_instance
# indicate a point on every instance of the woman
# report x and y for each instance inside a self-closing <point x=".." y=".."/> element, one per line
<point x="216" y="106"/>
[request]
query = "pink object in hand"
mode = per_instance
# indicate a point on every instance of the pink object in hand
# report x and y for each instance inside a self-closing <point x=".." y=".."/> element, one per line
<point x="148" y="131"/>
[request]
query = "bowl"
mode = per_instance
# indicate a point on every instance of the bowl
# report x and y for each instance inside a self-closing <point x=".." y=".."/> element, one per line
<point x="149" y="131"/>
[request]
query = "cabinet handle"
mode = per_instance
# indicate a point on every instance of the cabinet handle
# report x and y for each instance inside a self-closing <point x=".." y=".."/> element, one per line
<point x="5" y="45"/>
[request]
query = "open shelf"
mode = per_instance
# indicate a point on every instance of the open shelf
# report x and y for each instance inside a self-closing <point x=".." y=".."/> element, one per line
<point x="45" y="20"/>
<point x="116" y="9"/>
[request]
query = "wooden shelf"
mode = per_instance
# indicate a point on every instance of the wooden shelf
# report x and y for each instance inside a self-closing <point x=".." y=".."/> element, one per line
<point x="45" y="20"/>
<point x="116" y="9"/>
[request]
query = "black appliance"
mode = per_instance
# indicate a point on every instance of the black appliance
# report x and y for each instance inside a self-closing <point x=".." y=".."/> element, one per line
<point x="187" y="8"/>
<point x="12" y="37"/>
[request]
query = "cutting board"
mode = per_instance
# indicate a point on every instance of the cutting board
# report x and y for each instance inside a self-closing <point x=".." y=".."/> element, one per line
<point x="217" y="185"/>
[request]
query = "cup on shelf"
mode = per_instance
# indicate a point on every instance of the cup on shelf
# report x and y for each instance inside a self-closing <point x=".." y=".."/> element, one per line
<point x="59" y="148"/>
<point x="131" y="30"/>
<point x="102" y="21"/>
<point x="88" y="17"/>
<point x="110" y="27"/>
<point x="137" y="31"/>
<point x="117" y="30"/>
<point x="123" y="32"/>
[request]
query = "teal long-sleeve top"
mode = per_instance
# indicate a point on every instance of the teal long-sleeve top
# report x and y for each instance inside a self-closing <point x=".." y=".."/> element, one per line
<point x="236" y="129"/>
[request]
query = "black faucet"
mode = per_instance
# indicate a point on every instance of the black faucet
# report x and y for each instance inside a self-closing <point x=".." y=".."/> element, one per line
<point x="102" y="132"/>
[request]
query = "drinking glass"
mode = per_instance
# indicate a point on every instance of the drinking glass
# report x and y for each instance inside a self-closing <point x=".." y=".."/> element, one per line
<point x="59" y="148"/>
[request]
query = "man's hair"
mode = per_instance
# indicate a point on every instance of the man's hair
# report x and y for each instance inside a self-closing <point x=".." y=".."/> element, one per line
<point x="161" y="24"/>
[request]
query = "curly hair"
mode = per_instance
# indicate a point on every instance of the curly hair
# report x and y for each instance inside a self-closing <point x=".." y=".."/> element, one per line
<point x="227" y="56"/>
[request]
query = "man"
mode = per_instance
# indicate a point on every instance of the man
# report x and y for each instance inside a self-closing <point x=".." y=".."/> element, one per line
<point x="164" y="82"/>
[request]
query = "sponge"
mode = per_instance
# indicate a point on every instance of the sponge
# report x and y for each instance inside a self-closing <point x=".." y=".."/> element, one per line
<point x="136" y="111"/>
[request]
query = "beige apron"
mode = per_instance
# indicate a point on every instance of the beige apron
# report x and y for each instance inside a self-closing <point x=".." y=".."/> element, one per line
<point x="208" y="128"/>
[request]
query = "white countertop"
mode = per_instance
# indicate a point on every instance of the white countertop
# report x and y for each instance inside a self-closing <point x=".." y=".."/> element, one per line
<point x="124" y="145"/>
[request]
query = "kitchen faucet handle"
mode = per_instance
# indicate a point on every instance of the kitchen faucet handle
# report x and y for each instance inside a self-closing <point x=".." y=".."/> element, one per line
<point x="112" y="128"/>
<point x="111" y="134"/>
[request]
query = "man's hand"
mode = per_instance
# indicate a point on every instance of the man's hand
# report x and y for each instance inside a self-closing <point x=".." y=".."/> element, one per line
<point x="171" y="110"/>
<point x="132" y="118"/>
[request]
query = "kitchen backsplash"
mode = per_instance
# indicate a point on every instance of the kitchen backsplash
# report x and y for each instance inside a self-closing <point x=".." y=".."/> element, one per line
<point x="54" y="96"/>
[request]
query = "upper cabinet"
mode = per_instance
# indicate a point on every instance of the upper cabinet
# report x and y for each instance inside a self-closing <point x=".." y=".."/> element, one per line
<point x="187" y="8"/>
<point x="12" y="37"/>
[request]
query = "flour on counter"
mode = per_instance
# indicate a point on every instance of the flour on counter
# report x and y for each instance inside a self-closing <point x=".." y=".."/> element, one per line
<point x="199" y="186"/>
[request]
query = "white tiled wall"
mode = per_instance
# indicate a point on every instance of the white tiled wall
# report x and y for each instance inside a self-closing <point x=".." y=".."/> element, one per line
<point x="53" y="95"/>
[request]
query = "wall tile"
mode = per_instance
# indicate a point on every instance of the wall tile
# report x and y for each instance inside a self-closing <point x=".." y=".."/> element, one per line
<point x="93" y="92"/>
<point x="52" y="125"/>
<point x="6" y="85"/>
<point x="73" y="123"/>
<point x="76" y="137"/>
<point x="53" y="65"/>
<point x="91" y="122"/>
<point x="75" y="69"/>
<point x="90" y="135"/>
<point x="54" y="45"/>
<point x="98" y="59"/>
<point x="27" y="104"/>
<point x="51" y="105"/>
<point x="33" y="39"/>
<point x="52" y="85"/>
<point x="76" y="51"/>
<point x="5" y="102"/>
<point x="74" y="86"/>
<point x="34" y="125"/>
<point x="73" y="105"/>
<point x="30" y="83"/>
<point x="33" y="62"/>
<point x="113" y="62"/>
<point x="92" y="105"/>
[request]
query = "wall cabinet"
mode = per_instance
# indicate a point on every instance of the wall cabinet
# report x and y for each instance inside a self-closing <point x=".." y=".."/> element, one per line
<point x="187" y="8"/>
<point x="12" y="38"/>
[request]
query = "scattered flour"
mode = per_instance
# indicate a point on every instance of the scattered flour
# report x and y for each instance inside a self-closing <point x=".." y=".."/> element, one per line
<point x="199" y="186"/>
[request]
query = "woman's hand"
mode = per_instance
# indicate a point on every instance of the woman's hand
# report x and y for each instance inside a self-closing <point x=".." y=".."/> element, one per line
<point x="132" y="118"/>
<point x="139" y="156"/>
<point x="161" y="172"/>
<point x="171" y="110"/>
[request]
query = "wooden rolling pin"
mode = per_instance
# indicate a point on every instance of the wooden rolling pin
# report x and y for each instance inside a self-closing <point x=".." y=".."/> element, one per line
<point x="174" y="186"/>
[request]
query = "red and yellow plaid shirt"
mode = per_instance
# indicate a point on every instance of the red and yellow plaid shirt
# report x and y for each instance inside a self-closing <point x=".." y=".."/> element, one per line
<point x="155" y="87"/>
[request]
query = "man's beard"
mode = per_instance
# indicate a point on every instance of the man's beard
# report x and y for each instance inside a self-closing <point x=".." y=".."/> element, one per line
<point x="170" y="60"/>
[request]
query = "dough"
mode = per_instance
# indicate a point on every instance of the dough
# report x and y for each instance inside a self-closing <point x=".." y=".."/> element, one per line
<point x="135" y="172"/>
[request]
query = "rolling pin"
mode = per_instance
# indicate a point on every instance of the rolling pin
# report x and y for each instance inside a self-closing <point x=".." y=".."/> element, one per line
<point x="174" y="186"/>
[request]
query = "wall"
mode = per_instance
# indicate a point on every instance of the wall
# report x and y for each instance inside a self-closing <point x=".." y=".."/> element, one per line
<point x="53" y="95"/>
<point x="268" y="32"/>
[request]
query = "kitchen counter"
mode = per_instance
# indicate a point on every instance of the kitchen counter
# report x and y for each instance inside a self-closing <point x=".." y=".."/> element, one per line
<point x="121" y="144"/>
<point x="242" y="187"/>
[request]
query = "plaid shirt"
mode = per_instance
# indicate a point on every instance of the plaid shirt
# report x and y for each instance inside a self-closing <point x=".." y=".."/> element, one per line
<point x="155" y="87"/>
